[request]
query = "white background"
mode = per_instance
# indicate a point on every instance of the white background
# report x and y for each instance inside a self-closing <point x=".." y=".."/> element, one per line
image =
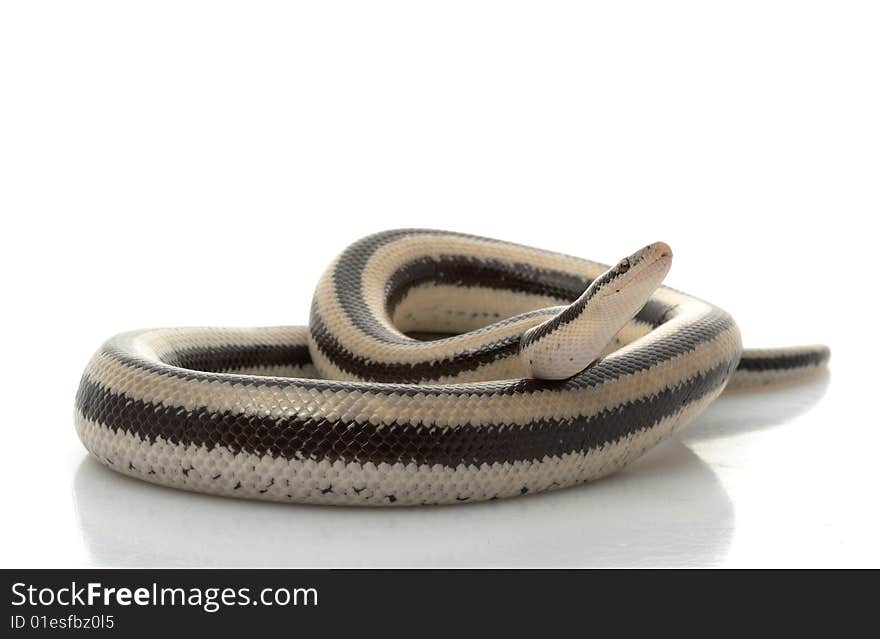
<point x="182" y="163"/>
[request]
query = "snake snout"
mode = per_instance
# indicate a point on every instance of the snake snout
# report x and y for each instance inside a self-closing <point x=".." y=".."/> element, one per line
<point x="656" y="252"/>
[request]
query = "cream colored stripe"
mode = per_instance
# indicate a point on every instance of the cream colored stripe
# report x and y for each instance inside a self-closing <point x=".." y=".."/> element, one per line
<point x="455" y="309"/>
<point x="161" y="342"/>
<point x="307" y="371"/>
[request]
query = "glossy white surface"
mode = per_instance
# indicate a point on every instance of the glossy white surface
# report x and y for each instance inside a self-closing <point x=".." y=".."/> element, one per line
<point x="193" y="164"/>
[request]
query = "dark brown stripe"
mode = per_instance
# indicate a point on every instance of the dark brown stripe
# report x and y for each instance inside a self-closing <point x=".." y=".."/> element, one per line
<point x="785" y="362"/>
<point x="294" y="437"/>
<point x="466" y="271"/>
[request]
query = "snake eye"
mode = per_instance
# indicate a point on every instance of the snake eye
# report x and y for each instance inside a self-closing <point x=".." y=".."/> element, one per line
<point x="623" y="267"/>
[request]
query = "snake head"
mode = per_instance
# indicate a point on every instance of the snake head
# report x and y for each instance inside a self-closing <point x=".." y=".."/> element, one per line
<point x="642" y="271"/>
<point x="573" y="339"/>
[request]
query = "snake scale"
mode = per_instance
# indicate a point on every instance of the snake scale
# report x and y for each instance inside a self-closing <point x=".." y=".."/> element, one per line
<point x="436" y="368"/>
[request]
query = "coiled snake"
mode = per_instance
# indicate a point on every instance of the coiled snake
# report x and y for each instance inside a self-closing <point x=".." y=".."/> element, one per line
<point x="436" y="368"/>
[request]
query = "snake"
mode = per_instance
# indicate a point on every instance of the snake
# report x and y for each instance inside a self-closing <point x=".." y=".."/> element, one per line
<point x="436" y="368"/>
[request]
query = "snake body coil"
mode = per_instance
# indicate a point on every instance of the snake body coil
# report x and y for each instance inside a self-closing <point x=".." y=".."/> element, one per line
<point x="541" y="371"/>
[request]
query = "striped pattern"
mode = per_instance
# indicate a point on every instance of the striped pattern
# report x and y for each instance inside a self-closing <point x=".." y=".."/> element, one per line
<point x="354" y="410"/>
